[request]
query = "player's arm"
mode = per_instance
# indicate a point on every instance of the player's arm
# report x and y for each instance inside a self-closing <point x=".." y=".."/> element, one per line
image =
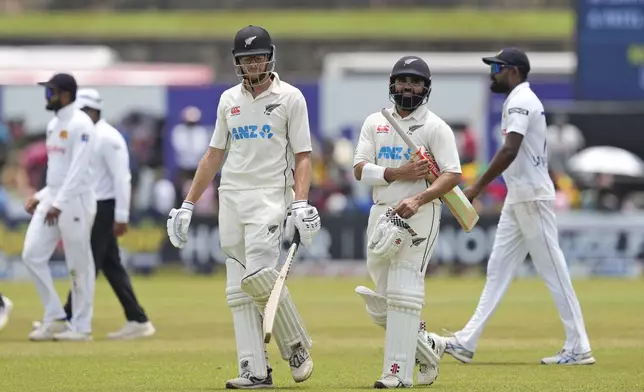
<point x="299" y="136"/>
<point x="304" y="217"/>
<point x="82" y="142"/>
<point x="117" y="158"/>
<point x="212" y="160"/>
<point x="208" y="167"/>
<point x="179" y="219"/>
<point x="442" y="144"/>
<point x="517" y="125"/>
<point x="368" y="172"/>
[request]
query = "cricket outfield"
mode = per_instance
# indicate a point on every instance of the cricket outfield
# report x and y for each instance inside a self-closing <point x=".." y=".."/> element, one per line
<point x="194" y="349"/>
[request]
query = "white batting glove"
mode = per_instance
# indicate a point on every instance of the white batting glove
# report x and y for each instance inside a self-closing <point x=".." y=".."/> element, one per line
<point x="178" y="224"/>
<point x="306" y="219"/>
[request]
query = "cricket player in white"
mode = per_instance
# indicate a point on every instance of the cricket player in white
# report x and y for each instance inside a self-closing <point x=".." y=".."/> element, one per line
<point x="64" y="209"/>
<point x="6" y="306"/>
<point x="262" y="123"/>
<point x="527" y="223"/>
<point x="404" y="222"/>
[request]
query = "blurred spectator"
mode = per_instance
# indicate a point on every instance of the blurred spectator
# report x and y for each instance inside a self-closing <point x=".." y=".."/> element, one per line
<point x="564" y="140"/>
<point x="190" y="141"/>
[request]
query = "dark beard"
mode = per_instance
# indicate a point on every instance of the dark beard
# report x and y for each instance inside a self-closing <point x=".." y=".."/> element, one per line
<point x="499" y="88"/>
<point x="53" y="106"/>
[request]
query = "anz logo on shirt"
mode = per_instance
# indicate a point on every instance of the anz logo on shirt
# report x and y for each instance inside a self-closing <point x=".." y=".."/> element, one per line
<point x="395" y="153"/>
<point x="252" y="132"/>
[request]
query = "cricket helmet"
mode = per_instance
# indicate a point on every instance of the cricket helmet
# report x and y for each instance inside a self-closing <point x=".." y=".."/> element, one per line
<point x="410" y="66"/>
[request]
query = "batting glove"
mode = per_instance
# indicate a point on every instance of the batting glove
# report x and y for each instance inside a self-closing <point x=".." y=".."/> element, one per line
<point x="306" y="219"/>
<point x="178" y="224"/>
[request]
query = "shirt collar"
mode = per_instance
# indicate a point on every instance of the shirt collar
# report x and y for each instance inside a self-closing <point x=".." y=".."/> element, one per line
<point x="274" y="88"/>
<point x="417" y="114"/>
<point x="66" y="112"/>
<point x="518" y="88"/>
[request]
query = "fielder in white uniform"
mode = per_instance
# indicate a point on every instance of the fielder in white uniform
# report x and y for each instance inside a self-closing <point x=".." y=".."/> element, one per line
<point x="527" y="223"/>
<point x="262" y="123"/>
<point x="6" y="306"/>
<point x="404" y="222"/>
<point x="64" y="209"/>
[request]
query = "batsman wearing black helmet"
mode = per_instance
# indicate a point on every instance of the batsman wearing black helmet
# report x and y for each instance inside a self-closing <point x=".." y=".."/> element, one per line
<point x="404" y="220"/>
<point x="263" y="125"/>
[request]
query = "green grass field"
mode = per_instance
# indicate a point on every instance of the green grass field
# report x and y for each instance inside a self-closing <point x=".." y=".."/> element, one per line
<point x="408" y="24"/>
<point x="194" y="349"/>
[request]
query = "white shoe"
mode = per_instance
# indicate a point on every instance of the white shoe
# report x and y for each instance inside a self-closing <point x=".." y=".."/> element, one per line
<point x="133" y="330"/>
<point x="46" y="331"/>
<point x="72" y="336"/>
<point x="5" y="311"/>
<point x="428" y="373"/>
<point x="564" y="357"/>
<point x="456" y="349"/>
<point x="247" y="380"/>
<point x="301" y="363"/>
<point x="389" y="382"/>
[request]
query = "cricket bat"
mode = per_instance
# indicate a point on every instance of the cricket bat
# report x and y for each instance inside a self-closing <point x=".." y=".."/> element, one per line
<point x="270" y="310"/>
<point x="455" y="200"/>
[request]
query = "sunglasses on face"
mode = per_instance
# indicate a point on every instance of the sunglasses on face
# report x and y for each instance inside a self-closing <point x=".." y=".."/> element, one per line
<point x="496" y="67"/>
<point x="49" y="92"/>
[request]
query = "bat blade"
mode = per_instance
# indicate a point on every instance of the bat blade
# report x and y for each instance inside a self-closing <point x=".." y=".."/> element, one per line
<point x="270" y="310"/>
<point x="455" y="199"/>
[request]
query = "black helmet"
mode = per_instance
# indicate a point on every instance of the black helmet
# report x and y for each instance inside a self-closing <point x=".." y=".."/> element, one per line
<point x="410" y="66"/>
<point x="253" y="41"/>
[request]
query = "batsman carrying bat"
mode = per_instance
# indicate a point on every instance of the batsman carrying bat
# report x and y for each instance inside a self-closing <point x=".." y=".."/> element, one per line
<point x="262" y="123"/>
<point x="404" y="220"/>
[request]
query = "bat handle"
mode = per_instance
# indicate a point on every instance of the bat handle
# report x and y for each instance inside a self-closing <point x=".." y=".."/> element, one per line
<point x="296" y="237"/>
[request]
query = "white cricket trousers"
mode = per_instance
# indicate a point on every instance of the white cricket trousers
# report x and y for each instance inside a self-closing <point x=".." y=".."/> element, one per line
<point x="74" y="229"/>
<point x="426" y="223"/>
<point x="528" y="227"/>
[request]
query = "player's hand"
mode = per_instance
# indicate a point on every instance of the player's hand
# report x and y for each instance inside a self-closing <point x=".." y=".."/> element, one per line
<point x="306" y="219"/>
<point x="471" y="192"/>
<point x="413" y="171"/>
<point x="31" y="205"/>
<point x="178" y="224"/>
<point x="408" y="207"/>
<point x="52" y="216"/>
<point x="120" y="229"/>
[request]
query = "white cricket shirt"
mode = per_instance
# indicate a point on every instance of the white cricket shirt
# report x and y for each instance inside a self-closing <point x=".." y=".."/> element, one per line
<point x="380" y="144"/>
<point x="527" y="176"/>
<point x="71" y="141"/>
<point x="262" y="136"/>
<point x="112" y="170"/>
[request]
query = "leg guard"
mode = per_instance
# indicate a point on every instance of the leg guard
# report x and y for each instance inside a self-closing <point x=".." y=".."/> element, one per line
<point x="405" y="300"/>
<point x="377" y="309"/>
<point x="289" y="329"/>
<point x="251" y="352"/>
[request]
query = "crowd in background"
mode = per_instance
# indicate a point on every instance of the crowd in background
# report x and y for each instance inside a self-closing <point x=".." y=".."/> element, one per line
<point x="156" y="189"/>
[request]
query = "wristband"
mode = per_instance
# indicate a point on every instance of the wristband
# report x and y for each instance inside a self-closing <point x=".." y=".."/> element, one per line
<point x="187" y="205"/>
<point x="373" y="175"/>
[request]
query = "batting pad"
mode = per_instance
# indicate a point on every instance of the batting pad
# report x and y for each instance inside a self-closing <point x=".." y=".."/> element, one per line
<point x="377" y="309"/>
<point x="405" y="300"/>
<point x="251" y="351"/>
<point x="289" y="329"/>
<point x="376" y="305"/>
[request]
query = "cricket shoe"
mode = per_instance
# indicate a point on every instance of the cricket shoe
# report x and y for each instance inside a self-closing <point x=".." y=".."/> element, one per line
<point x="5" y="311"/>
<point x="456" y="349"/>
<point x="564" y="357"/>
<point x="46" y="331"/>
<point x="428" y="372"/>
<point x="72" y="336"/>
<point x="133" y="330"/>
<point x="247" y="380"/>
<point x="390" y="382"/>
<point x="301" y="363"/>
